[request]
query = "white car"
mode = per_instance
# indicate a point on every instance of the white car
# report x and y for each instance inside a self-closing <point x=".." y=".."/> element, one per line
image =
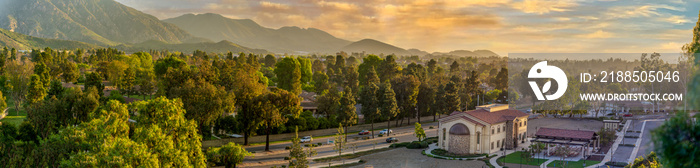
<point x="306" y="139"/>
<point x="384" y="131"/>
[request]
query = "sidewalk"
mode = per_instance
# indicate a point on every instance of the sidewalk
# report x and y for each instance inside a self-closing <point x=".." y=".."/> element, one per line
<point x="620" y="137"/>
<point x="334" y="163"/>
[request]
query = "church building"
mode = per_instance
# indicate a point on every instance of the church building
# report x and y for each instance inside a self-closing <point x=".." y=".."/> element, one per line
<point x="484" y="130"/>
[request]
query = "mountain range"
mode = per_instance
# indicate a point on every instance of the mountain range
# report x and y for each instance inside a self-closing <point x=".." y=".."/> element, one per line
<point x="107" y="23"/>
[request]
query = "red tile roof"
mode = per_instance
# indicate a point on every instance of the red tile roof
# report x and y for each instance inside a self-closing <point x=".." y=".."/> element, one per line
<point x="496" y="116"/>
<point x="564" y="133"/>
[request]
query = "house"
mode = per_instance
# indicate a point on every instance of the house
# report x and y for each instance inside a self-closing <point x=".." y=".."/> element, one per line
<point x="484" y="130"/>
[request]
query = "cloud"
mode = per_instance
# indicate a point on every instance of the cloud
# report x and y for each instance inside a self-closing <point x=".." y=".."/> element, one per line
<point x="596" y="34"/>
<point x="545" y="6"/>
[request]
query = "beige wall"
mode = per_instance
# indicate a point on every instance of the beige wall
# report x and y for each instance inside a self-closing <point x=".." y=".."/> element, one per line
<point x="487" y="137"/>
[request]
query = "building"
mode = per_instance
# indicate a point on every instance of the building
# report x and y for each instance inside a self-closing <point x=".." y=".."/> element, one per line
<point x="579" y="143"/>
<point x="484" y="130"/>
<point x="613" y="125"/>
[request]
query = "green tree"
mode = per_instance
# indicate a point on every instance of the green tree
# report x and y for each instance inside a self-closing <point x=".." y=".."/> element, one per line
<point x="36" y="91"/>
<point x="270" y="60"/>
<point x="127" y="81"/>
<point x="162" y="126"/>
<point x="329" y="102"/>
<point x="675" y="140"/>
<point x="321" y="82"/>
<point x="55" y="89"/>
<point x="162" y="65"/>
<point x="419" y="132"/>
<point x="3" y="102"/>
<point x="204" y="103"/>
<point x="147" y="85"/>
<point x="388" y="69"/>
<point x="340" y="140"/>
<point x="432" y="66"/>
<point x="370" y="62"/>
<point x="425" y="100"/>
<point x="352" y="80"/>
<point x="347" y="113"/>
<point x="406" y="89"/>
<point x="297" y="154"/>
<point x="454" y="67"/>
<point x="388" y="106"/>
<point x="305" y="68"/>
<point x="273" y="107"/>
<point x="451" y="98"/>
<point x="317" y="66"/>
<point x="42" y="71"/>
<point x="94" y="80"/>
<point x="245" y="83"/>
<point x="370" y="104"/>
<point x="501" y="79"/>
<point x="229" y="155"/>
<point x="288" y="73"/>
<point x="70" y="71"/>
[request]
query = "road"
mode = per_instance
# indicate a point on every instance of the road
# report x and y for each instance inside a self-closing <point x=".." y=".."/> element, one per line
<point x="277" y="151"/>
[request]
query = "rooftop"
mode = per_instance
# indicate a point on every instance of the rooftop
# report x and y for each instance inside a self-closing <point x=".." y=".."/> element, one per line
<point x="493" y="117"/>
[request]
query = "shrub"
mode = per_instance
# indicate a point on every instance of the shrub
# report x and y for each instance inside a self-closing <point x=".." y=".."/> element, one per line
<point x="287" y="147"/>
<point x="415" y="145"/>
<point x="616" y="164"/>
<point x="286" y="158"/>
<point x="431" y="127"/>
<point x="399" y="145"/>
<point x="365" y="138"/>
<point x="307" y="145"/>
<point x="319" y="144"/>
<point x="284" y="166"/>
<point x="381" y="135"/>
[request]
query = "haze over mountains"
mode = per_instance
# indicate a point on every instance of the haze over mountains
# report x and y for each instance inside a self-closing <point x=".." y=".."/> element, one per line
<point x="107" y="23"/>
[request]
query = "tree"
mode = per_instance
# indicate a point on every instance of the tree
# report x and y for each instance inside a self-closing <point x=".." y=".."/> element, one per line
<point x="675" y="140"/>
<point x="317" y="66"/>
<point x="454" y="68"/>
<point x="94" y="80"/>
<point x="425" y="100"/>
<point x="270" y="60"/>
<point x="230" y="154"/>
<point x="163" y="128"/>
<point x="147" y="84"/>
<point x="501" y="79"/>
<point x="3" y="102"/>
<point x="288" y="73"/>
<point x="321" y="82"/>
<point x="451" y="99"/>
<point x="70" y="71"/>
<point x="204" y="102"/>
<point x="162" y="65"/>
<point x="305" y="67"/>
<point x="36" y="91"/>
<point x="347" y="113"/>
<point x="42" y="71"/>
<point x="127" y="81"/>
<point x="340" y="140"/>
<point x="370" y="104"/>
<point x="329" y="102"/>
<point x="419" y="132"/>
<point x="245" y="83"/>
<point x="417" y="71"/>
<point x="296" y="153"/>
<point x="55" y="89"/>
<point x="432" y="66"/>
<point x="406" y="89"/>
<point x="388" y="69"/>
<point x="273" y="107"/>
<point x="370" y="62"/>
<point x="351" y="80"/>
<point x="388" y="107"/>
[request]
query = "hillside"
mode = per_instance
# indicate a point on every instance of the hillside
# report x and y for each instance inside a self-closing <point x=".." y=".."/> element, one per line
<point x="220" y="47"/>
<point x="101" y="22"/>
<point x="467" y="53"/>
<point x="248" y="33"/>
<point x="24" y="42"/>
<point x="371" y="46"/>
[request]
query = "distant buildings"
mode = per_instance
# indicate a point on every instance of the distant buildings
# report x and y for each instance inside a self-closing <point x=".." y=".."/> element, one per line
<point x="484" y="130"/>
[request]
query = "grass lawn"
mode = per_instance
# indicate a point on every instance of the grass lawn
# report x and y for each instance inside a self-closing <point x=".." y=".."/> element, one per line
<point x="516" y="159"/>
<point x="570" y="164"/>
<point x="14" y="120"/>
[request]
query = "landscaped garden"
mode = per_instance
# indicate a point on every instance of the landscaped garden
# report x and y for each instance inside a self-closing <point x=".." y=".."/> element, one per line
<point x="516" y="158"/>
<point x="571" y="164"/>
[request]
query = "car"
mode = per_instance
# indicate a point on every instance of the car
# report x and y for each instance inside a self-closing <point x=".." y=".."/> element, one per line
<point x="627" y="115"/>
<point x="306" y="139"/>
<point x="385" y="131"/>
<point x="363" y="132"/>
<point x="392" y="139"/>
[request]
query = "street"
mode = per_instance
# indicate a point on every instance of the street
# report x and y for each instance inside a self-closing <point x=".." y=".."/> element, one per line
<point x="277" y="151"/>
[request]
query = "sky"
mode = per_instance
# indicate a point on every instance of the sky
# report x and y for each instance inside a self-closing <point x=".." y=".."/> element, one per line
<point x="503" y="26"/>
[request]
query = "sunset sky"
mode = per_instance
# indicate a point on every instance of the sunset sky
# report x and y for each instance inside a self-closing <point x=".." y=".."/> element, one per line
<point x="503" y="26"/>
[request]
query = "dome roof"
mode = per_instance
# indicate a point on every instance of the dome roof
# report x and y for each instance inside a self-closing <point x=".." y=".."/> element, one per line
<point x="459" y="129"/>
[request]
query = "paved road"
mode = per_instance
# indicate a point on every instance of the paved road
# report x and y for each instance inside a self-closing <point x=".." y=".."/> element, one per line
<point x="405" y="134"/>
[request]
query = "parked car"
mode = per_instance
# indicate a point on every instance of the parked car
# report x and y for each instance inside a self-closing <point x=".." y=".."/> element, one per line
<point x="627" y="115"/>
<point x="363" y="132"/>
<point x="385" y="131"/>
<point x="306" y="139"/>
<point x="392" y="139"/>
